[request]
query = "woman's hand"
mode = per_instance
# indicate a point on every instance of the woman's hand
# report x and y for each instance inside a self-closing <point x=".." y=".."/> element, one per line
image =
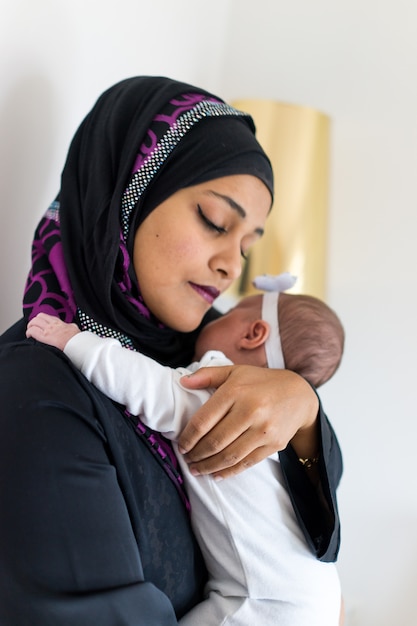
<point x="253" y="413"/>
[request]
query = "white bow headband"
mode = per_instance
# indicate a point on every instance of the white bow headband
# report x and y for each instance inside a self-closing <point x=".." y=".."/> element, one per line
<point x="273" y="285"/>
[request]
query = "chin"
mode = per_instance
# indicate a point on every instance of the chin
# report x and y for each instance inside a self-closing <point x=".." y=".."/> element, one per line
<point x="186" y="326"/>
<point x="183" y="328"/>
<point x="184" y="321"/>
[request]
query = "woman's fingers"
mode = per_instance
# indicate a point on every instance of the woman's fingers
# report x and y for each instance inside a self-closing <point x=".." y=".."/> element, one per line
<point x="253" y="413"/>
<point x="240" y="455"/>
<point x="236" y="442"/>
<point x="211" y="412"/>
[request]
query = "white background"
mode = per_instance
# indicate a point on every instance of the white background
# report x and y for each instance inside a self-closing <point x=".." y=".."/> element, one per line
<point x="356" y="61"/>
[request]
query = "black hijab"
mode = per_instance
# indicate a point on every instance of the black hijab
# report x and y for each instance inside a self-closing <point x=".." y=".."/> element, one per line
<point x="144" y="139"/>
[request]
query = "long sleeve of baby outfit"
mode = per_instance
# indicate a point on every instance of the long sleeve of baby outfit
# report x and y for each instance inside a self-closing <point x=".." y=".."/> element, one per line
<point x="146" y="388"/>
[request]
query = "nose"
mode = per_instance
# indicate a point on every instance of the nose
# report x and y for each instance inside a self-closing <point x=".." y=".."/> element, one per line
<point x="228" y="261"/>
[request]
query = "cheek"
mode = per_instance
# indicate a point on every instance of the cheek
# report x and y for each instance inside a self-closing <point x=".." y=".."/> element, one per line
<point x="166" y="250"/>
<point x="169" y="260"/>
<point x="185" y="250"/>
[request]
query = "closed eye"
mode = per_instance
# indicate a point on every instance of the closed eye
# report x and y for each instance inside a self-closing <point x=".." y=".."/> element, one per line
<point x="218" y="229"/>
<point x="209" y="223"/>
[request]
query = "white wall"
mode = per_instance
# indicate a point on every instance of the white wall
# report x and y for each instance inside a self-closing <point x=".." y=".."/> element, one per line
<point x="355" y="61"/>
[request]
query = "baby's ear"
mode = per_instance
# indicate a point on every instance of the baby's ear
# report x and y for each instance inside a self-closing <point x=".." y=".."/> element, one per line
<point x="257" y="334"/>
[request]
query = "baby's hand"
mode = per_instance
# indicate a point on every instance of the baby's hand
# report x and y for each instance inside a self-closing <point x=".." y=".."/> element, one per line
<point x="51" y="330"/>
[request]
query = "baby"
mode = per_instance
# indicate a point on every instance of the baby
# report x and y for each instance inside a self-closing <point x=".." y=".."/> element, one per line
<point x="261" y="570"/>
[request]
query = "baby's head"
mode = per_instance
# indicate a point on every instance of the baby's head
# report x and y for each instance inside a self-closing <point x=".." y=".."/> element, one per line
<point x="279" y="330"/>
<point x="312" y="337"/>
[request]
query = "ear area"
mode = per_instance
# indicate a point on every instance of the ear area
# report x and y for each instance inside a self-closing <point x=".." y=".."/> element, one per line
<point x="256" y="335"/>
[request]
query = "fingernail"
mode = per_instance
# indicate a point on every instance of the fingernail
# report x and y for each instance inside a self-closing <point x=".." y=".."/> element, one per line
<point x="218" y="478"/>
<point x="181" y="450"/>
<point x="194" y="471"/>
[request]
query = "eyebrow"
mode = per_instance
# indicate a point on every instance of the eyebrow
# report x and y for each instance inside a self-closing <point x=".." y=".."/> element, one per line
<point x="236" y="207"/>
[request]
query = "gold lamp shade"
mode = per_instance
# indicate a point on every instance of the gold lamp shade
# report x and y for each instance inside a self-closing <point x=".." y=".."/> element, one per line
<point x="296" y="139"/>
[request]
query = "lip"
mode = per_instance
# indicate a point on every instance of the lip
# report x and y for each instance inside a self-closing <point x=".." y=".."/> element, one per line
<point x="208" y="293"/>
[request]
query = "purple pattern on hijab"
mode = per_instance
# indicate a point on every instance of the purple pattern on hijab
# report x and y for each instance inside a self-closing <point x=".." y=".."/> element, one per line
<point x="148" y="146"/>
<point x="125" y="283"/>
<point x="48" y="287"/>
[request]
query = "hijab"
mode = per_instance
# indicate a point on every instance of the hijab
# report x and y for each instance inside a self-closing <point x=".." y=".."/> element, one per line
<point x="145" y="138"/>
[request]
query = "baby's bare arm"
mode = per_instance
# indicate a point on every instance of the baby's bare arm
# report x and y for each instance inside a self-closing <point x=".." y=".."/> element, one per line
<point x="51" y="330"/>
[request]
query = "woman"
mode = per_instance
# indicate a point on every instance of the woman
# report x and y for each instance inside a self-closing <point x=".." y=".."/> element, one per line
<point x="164" y="188"/>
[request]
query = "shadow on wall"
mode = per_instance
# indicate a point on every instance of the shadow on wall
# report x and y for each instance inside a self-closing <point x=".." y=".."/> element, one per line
<point x="27" y="130"/>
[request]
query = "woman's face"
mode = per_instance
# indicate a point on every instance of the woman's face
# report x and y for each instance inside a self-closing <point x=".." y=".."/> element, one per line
<point x="190" y="248"/>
